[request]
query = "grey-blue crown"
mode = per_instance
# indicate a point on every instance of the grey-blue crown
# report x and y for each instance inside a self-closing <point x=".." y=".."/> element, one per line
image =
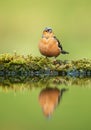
<point x="48" y="29"/>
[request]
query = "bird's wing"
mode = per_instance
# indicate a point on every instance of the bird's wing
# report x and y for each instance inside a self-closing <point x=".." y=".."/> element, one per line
<point x="59" y="44"/>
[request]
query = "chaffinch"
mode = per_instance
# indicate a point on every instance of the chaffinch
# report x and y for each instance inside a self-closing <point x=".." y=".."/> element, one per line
<point x="49" y="98"/>
<point x="49" y="45"/>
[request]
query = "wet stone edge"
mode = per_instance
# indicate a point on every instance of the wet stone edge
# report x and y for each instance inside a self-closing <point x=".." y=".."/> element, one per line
<point x="47" y="72"/>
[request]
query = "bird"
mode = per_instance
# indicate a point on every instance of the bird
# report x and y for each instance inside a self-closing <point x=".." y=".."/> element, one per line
<point x="49" y="45"/>
<point x="49" y="99"/>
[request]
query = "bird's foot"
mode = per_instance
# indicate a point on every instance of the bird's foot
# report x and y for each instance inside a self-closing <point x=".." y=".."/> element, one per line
<point x="55" y="61"/>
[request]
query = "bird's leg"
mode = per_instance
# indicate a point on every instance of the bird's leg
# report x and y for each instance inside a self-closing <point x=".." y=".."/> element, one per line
<point x="54" y="60"/>
<point x="46" y="58"/>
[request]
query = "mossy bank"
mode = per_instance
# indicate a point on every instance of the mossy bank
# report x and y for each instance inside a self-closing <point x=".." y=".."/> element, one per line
<point x="13" y="65"/>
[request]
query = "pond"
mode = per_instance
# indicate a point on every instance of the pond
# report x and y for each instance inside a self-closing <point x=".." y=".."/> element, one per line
<point x="46" y="103"/>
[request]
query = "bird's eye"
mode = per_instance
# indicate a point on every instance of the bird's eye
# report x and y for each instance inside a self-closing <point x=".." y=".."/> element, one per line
<point x="50" y="30"/>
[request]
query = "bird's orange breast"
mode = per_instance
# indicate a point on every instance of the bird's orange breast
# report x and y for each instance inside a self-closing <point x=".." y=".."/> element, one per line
<point x="48" y="100"/>
<point x="49" y="47"/>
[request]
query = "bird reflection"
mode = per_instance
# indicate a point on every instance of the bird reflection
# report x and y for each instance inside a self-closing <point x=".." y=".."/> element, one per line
<point x="49" y="98"/>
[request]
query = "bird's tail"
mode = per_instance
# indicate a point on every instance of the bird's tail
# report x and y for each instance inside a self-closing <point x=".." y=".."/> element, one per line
<point x="63" y="90"/>
<point x="64" y="52"/>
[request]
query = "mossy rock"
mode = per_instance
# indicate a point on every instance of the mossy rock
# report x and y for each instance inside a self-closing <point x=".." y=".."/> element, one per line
<point x="11" y="65"/>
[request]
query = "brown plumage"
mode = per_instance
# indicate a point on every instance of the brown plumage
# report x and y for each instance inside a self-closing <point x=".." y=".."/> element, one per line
<point x="49" y="98"/>
<point x="49" y="45"/>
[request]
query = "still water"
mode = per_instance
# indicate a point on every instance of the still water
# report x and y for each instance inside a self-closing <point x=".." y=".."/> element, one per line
<point x="46" y="103"/>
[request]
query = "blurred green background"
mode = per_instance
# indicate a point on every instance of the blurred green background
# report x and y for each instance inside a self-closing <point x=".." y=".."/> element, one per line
<point x="22" y="23"/>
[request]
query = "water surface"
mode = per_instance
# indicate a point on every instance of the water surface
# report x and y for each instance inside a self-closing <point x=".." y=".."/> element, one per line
<point x="47" y="103"/>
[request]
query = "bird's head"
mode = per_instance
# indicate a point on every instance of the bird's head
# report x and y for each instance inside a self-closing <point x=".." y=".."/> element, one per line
<point x="47" y="32"/>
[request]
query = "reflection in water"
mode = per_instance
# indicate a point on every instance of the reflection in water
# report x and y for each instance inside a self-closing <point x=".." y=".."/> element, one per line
<point x="16" y="83"/>
<point x="49" y="98"/>
<point x="50" y="95"/>
<point x="22" y="83"/>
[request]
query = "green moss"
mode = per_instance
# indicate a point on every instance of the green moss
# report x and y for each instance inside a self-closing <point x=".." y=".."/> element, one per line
<point x="19" y="64"/>
<point x="22" y="83"/>
<point x="41" y="72"/>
